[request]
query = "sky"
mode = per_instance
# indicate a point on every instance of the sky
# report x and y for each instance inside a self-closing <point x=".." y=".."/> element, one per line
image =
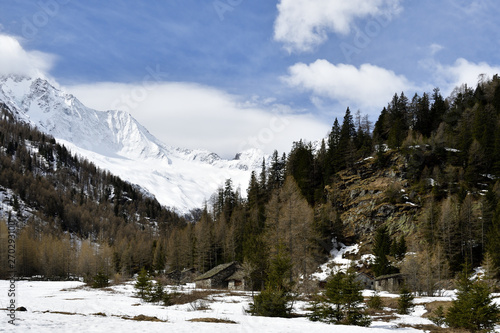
<point x="228" y="75"/>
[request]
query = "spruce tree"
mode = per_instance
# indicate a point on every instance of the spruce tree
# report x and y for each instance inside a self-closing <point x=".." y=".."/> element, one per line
<point x="346" y="144"/>
<point x="381" y="249"/>
<point x="405" y="301"/>
<point x="100" y="280"/>
<point x="473" y="309"/>
<point x="143" y="285"/>
<point x="341" y="302"/>
<point x="276" y="300"/>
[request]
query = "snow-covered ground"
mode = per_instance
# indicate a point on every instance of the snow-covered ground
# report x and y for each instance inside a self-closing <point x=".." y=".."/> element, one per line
<point x="338" y="261"/>
<point x="71" y="307"/>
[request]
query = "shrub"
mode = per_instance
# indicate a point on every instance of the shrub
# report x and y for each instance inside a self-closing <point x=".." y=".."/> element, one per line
<point x="375" y="302"/>
<point x="438" y="316"/>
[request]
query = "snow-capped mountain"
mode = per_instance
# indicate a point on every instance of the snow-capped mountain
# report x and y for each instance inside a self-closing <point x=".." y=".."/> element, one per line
<point x="179" y="178"/>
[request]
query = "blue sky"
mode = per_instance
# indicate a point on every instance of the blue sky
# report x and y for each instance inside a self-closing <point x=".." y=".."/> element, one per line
<point x="226" y="75"/>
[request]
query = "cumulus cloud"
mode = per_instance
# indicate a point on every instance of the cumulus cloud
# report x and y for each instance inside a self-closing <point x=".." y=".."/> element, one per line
<point x="462" y="71"/>
<point x="14" y="59"/>
<point x="303" y="24"/>
<point x="368" y="87"/>
<point x="195" y="116"/>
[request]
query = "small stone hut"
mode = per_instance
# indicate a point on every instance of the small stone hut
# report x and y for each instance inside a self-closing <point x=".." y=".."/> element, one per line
<point x="188" y="275"/>
<point x="174" y="276"/>
<point x="237" y="281"/>
<point x="367" y="281"/>
<point x="391" y="282"/>
<point x="217" y="277"/>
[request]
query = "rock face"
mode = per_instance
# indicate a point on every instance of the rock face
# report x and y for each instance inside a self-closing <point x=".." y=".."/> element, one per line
<point x="369" y="196"/>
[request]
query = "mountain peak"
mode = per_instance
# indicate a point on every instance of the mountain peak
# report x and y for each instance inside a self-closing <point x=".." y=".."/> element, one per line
<point x="115" y="141"/>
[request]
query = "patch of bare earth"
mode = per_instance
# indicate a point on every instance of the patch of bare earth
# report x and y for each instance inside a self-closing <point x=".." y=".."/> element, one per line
<point x="212" y="320"/>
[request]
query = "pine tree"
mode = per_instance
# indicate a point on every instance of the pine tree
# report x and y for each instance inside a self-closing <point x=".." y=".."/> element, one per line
<point x="276" y="175"/>
<point x="381" y="249"/>
<point x="438" y="109"/>
<point x="143" y="285"/>
<point x="473" y="309"/>
<point x="341" y="303"/>
<point x="405" y="300"/>
<point x="333" y="160"/>
<point x="101" y="280"/>
<point x="346" y="141"/>
<point x="276" y="300"/>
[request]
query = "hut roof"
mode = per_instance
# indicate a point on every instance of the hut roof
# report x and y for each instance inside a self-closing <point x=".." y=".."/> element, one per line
<point x="389" y="276"/>
<point x="214" y="271"/>
<point x="239" y="275"/>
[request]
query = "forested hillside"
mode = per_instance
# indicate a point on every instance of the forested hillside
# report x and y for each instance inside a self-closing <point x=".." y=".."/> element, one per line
<point x="71" y="217"/>
<point x="423" y="179"/>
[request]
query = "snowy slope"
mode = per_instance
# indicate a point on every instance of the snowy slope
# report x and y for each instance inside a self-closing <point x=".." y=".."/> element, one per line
<point x="179" y="178"/>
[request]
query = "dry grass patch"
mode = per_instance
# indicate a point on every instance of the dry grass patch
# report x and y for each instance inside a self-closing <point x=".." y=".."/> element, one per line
<point x="144" y="318"/>
<point x="432" y="306"/>
<point x="434" y="328"/>
<point x="191" y="297"/>
<point x="212" y="320"/>
<point x="101" y="314"/>
<point x="390" y="302"/>
<point x="64" y="313"/>
<point x="381" y="314"/>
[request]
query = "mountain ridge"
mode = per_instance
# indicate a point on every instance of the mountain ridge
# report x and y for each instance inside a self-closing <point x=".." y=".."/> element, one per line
<point x="179" y="178"/>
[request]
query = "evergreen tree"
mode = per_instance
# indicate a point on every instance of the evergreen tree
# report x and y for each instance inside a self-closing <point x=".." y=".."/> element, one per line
<point x="381" y="129"/>
<point x="381" y="249"/>
<point x="101" y="280"/>
<point x="276" y="175"/>
<point x="398" y="248"/>
<point x="341" y="302"/>
<point x="143" y="285"/>
<point x="405" y="300"/>
<point x="438" y="109"/>
<point x="473" y="308"/>
<point x="423" y="121"/>
<point x="300" y="166"/>
<point x="346" y="141"/>
<point x="276" y="300"/>
<point x="333" y="160"/>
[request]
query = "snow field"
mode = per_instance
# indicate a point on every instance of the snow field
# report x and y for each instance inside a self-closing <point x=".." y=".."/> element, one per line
<point x="71" y="306"/>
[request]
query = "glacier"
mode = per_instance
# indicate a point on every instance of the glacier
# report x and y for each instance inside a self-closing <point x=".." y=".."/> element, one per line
<point x="181" y="179"/>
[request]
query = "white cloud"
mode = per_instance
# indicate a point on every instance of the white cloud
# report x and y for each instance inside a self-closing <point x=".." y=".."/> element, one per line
<point x="303" y="24"/>
<point x="368" y="87"/>
<point x="16" y="60"/>
<point x="462" y="71"/>
<point x="194" y="116"/>
<point x="181" y="114"/>
<point x="435" y="48"/>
